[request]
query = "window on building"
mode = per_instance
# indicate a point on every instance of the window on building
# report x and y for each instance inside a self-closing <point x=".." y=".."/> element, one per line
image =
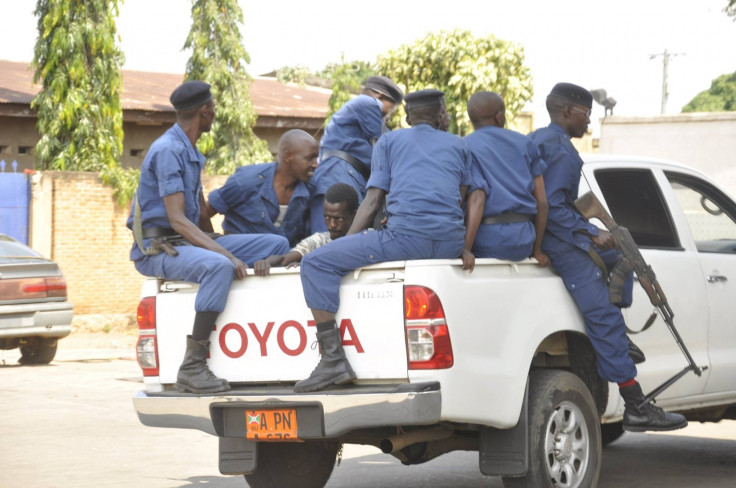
<point x="136" y="153"/>
<point x="28" y="150"/>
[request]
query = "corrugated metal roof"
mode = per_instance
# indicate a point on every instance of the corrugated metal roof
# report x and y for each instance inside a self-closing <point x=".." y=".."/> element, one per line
<point x="147" y="91"/>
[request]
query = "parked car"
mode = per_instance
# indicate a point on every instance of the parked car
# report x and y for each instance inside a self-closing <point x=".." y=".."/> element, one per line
<point x="34" y="311"/>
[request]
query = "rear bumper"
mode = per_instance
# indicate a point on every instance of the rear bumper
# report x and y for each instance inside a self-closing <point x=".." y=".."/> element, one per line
<point x="50" y="319"/>
<point x="339" y="410"/>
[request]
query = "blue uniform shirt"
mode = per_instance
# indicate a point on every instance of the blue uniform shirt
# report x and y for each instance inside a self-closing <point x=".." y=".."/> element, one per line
<point x="561" y="182"/>
<point x="421" y="169"/>
<point x="250" y="205"/>
<point x="505" y="164"/>
<point x="172" y="165"/>
<point x="352" y="129"/>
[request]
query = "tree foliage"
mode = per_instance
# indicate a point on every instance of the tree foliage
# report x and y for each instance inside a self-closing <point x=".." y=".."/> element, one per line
<point x="461" y="64"/>
<point x="77" y="61"/>
<point x="730" y="9"/>
<point x="293" y="74"/>
<point x="347" y="79"/>
<point x="219" y="58"/>
<point x="720" y="97"/>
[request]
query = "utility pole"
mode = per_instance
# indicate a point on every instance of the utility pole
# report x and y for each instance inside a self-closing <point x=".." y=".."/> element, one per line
<point x="665" y="67"/>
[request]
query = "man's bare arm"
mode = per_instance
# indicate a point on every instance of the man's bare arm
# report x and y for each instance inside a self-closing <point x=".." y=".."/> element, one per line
<point x="473" y="215"/>
<point x="540" y="221"/>
<point x="368" y="209"/>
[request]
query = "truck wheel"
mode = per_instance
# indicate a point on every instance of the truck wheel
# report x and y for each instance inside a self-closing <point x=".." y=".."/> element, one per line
<point x="37" y="351"/>
<point x="303" y="464"/>
<point x="564" y="434"/>
<point x="611" y="432"/>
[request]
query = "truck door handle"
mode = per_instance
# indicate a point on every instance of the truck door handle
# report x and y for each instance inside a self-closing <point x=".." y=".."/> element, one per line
<point x="716" y="278"/>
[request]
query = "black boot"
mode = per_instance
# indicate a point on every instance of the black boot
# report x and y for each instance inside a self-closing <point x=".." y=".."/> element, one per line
<point x="333" y="367"/>
<point x="194" y="374"/>
<point x="635" y="353"/>
<point x="648" y="416"/>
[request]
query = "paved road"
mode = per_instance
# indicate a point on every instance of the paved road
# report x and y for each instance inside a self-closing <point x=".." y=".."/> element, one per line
<point x="71" y="425"/>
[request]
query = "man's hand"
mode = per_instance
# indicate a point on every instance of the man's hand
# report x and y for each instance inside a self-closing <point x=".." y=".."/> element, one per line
<point x="542" y="259"/>
<point x="604" y="240"/>
<point x="240" y="268"/>
<point x="261" y="268"/>
<point x="293" y="264"/>
<point x="468" y="260"/>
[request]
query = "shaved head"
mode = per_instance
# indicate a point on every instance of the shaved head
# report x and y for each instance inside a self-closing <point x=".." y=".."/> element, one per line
<point x="486" y="108"/>
<point x="294" y="138"/>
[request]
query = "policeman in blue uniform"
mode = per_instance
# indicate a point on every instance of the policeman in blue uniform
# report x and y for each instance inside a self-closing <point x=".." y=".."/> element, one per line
<point x="169" y="202"/>
<point x="507" y="206"/>
<point x="347" y="145"/>
<point x="572" y="244"/>
<point x="422" y="173"/>
<point x="270" y="198"/>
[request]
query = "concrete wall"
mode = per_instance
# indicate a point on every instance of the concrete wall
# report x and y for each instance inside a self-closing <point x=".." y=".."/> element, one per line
<point x="76" y="222"/>
<point x="704" y="141"/>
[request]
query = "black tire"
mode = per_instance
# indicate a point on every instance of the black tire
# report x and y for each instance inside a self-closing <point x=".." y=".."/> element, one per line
<point x="564" y="434"/>
<point x="38" y="351"/>
<point x="611" y="432"/>
<point x="302" y="464"/>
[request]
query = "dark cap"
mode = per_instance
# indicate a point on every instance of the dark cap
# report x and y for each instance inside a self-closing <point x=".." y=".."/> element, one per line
<point x="573" y="93"/>
<point x="190" y="94"/>
<point x="422" y="98"/>
<point x="385" y="87"/>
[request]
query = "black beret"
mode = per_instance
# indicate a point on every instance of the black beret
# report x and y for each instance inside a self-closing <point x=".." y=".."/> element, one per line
<point x="385" y="86"/>
<point x="423" y="97"/>
<point x="190" y="94"/>
<point x="573" y="93"/>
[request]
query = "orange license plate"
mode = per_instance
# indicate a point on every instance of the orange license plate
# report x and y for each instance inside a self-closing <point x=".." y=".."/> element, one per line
<point x="271" y="425"/>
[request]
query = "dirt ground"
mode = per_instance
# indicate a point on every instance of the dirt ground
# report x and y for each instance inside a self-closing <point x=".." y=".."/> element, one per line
<point x="102" y="331"/>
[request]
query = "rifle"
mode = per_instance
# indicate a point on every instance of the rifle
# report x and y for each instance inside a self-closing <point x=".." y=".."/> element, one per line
<point x="590" y="207"/>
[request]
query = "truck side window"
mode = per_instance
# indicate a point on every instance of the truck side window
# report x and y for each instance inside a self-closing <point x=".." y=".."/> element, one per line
<point x="635" y="202"/>
<point x="709" y="213"/>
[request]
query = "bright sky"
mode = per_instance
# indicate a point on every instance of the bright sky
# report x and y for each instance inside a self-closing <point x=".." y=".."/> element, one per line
<point x="594" y="43"/>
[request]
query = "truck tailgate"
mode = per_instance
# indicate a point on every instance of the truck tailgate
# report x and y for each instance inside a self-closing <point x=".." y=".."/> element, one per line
<point x="263" y="336"/>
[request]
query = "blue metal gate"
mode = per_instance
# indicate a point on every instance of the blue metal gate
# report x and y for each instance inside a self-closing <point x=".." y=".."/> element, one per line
<point x="15" y="195"/>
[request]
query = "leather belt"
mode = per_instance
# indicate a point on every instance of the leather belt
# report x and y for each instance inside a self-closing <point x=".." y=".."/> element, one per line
<point x="361" y="168"/>
<point x="506" y="218"/>
<point x="151" y="232"/>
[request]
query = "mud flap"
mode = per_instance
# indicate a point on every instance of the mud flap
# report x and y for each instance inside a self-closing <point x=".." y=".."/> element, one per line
<point x="505" y="452"/>
<point x="237" y="455"/>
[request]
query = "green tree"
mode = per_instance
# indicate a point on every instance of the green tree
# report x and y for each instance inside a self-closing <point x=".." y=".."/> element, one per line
<point x="461" y="64"/>
<point x="294" y="74"/>
<point x="730" y="9"/>
<point x="77" y="61"/>
<point x="219" y="58"/>
<point x="347" y="79"/>
<point x="720" y="97"/>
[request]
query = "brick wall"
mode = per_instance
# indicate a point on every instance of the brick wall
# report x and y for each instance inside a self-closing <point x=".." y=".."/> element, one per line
<point x="91" y="244"/>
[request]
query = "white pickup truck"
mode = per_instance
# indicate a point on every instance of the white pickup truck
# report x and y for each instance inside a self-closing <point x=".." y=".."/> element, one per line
<point x="494" y="361"/>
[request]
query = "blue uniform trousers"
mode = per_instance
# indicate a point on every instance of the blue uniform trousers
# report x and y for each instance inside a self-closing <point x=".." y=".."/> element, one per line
<point x="213" y="271"/>
<point x="323" y="268"/>
<point x="604" y="321"/>
<point x="513" y="242"/>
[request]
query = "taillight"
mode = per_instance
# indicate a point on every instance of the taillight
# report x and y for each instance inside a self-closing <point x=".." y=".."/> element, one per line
<point x="147" y="346"/>
<point x="427" y="338"/>
<point x="49" y="287"/>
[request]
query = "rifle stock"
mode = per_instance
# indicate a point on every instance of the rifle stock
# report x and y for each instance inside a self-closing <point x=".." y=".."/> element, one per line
<point x="590" y="207"/>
